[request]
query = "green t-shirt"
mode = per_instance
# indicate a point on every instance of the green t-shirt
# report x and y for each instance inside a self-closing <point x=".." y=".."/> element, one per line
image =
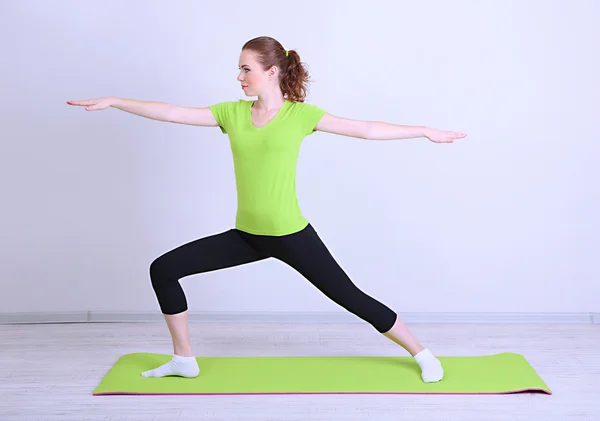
<point x="264" y="160"/>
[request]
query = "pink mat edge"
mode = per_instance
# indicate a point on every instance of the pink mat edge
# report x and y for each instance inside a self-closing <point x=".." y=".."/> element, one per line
<point x="548" y="392"/>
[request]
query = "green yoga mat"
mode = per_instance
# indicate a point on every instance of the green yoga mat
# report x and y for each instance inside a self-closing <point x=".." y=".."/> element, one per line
<point x="490" y="374"/>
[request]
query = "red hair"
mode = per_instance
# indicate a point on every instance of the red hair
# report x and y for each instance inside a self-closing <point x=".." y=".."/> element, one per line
<point x="294" y="75"/>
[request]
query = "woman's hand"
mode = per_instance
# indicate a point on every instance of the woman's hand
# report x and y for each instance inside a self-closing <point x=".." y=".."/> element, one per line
<point x="440" y="136"/>
<point x="94" y="104"/>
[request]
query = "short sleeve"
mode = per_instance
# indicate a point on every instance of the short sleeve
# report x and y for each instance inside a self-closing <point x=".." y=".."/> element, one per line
<point x="222" y="113"/>
<point x="311" y="115"/>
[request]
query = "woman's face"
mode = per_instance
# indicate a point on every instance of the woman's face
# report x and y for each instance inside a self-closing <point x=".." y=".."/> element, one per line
<point x="252" y="77"/>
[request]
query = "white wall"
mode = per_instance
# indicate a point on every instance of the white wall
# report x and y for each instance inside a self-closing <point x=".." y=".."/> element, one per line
<point x="504" y="220"/>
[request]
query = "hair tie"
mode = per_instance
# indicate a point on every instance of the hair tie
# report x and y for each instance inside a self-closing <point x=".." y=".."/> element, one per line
<point x="286" y="53"/>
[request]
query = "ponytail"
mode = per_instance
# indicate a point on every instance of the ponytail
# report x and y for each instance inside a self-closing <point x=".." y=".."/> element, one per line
<point x="294" y="78"/>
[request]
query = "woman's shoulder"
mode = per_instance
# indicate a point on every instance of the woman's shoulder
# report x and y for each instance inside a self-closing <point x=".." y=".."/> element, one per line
<point x="231" y="105"/>
<point x="305" y="108"/>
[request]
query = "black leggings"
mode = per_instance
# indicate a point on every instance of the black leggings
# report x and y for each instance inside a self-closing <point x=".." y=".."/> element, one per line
<point x="304" y="251"/>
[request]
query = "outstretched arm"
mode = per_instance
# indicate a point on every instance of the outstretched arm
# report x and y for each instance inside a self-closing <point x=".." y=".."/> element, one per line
<point x="378" y="130"/>
<point x="153" y="110"/>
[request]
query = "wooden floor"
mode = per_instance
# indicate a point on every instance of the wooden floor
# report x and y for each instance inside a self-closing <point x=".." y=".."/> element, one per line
<point x="48" y="372"/>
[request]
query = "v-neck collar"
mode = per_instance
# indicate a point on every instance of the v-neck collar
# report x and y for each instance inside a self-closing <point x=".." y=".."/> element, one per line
<point x="268" y="123"/>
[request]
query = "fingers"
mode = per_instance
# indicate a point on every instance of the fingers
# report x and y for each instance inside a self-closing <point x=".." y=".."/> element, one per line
<point x="89" y="104"/>
<point x="96" y="107"/>
<point x="451" y="136"/>
<point x="447" y="137"/>
<point x="86" y="102"/>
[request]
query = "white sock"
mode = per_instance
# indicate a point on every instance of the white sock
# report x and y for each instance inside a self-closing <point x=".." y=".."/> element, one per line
<point x="431" y="367"/>
<point x="178" y="366"/>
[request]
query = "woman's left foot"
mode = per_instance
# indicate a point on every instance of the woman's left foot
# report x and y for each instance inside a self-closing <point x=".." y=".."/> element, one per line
<point x="431" y="368"/>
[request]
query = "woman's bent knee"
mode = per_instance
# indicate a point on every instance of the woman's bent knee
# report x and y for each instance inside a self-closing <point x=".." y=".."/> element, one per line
<point x="158" y="272"/>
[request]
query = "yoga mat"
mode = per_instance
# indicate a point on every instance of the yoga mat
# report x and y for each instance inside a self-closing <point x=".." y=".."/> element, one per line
<point x="489" y="374"/>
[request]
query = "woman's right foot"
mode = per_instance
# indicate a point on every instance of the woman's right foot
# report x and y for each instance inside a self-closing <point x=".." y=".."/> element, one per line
<point x="178" y="366"/>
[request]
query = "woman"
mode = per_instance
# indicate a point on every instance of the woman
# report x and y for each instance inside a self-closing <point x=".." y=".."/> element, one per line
<point x="265" y="137"/>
